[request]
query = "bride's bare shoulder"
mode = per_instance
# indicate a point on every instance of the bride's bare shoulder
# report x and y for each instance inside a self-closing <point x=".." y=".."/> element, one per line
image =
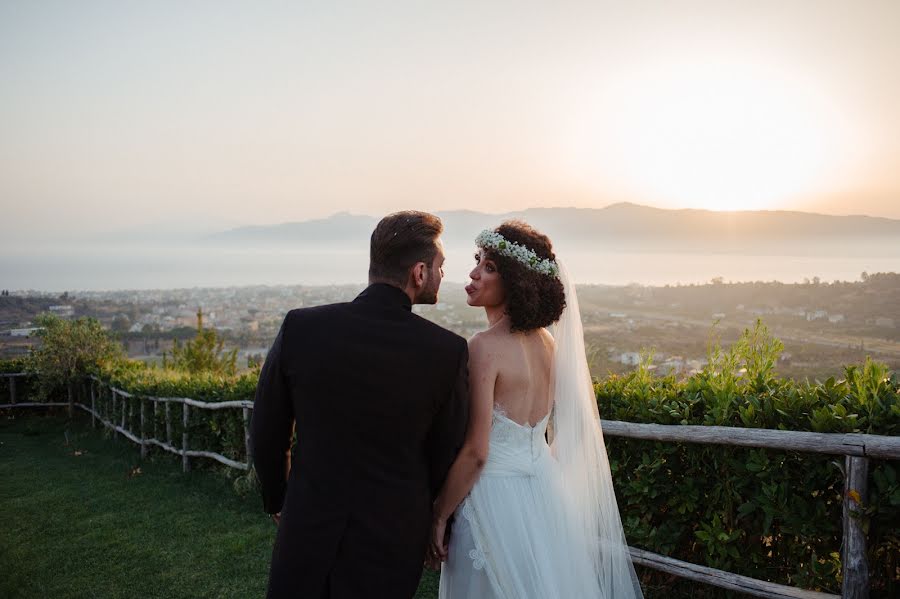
<point x="484" y="345"/>
<point x="480" y="340"/>
<point x="547" y="339"/>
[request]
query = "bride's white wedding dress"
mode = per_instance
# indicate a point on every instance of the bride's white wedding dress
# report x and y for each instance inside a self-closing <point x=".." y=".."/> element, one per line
<point x="512" y="536"/>
<point x="543" y="522"/>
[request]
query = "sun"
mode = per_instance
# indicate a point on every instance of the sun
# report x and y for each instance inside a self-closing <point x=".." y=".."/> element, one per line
<point x="713" y="134"/>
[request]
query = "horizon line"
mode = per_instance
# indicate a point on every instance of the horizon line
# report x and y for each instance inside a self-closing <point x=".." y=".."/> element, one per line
<point x="570" y="207"/>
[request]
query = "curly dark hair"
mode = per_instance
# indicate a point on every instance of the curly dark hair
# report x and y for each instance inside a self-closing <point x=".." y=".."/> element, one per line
<point x="533" y="300"/>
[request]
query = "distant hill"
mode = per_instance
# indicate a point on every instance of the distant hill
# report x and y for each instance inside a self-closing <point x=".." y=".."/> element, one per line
<point x="338" y="228"/>
<point x="623" y="226"/>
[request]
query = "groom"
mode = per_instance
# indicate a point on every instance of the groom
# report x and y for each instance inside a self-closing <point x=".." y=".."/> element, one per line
<point x="379" y="397"/>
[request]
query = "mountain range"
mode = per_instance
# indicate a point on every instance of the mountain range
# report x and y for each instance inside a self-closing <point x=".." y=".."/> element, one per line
<point x="622" y="227"/>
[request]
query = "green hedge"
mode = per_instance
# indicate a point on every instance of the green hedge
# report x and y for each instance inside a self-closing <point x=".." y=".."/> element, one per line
<point x="13" y="365"/>
<point x="26" y="387"/>
<point x="772" y="515"/>
<point x="221" y="431"/>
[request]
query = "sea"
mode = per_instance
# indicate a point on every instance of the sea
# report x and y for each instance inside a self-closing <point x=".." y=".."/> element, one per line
<point x="112" y="267"/>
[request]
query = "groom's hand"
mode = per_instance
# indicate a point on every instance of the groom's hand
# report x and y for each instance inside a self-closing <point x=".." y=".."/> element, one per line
<point x="276" y="518"/>
<point x="432" y="558"/>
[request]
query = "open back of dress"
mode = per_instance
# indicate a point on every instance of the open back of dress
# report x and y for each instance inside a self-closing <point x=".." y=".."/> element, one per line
<point x="513" y="536"/>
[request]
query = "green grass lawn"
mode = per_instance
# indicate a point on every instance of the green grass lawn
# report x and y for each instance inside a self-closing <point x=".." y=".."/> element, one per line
<point x="78" y="519"/>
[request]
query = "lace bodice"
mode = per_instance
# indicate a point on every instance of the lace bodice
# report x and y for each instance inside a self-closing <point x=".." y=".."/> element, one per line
<point x="504" y="429"/>
<point x="514" y="447"/>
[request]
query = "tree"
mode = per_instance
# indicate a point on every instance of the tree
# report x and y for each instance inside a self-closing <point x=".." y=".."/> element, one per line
<point x="69" y="350"/>
<point x="121" y="323"/>
<point x="204" y="353"/>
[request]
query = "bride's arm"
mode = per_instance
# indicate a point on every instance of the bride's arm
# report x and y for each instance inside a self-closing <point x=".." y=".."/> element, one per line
<point x="473" y="455"/>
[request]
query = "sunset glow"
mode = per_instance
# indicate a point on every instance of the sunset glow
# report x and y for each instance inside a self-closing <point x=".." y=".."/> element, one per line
<point x="127" y="119"/>
<point x="717" y="135"/>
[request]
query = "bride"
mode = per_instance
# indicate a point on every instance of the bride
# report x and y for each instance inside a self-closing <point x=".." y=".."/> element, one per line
<point x="529" y="519"/>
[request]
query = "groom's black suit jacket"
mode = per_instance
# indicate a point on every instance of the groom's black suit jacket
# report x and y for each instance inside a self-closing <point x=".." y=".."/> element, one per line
<point x="380" y="400"/>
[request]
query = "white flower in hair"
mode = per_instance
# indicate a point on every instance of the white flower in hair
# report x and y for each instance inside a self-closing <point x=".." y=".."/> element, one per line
<point x="511" y="249"/>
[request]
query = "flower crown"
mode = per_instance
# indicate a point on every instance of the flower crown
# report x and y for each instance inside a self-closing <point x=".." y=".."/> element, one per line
<point x="511" y="249"/>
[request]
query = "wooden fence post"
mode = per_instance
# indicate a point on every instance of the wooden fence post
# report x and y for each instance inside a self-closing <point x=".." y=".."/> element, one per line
<point x="93" y="406"/>
<point x="168" y="425"/>
<point x="854" y="565"/>
<point x="70" y="392"/>
<point x="12" y="389"/>
<point x="112" y="412"/>
<point x="143" y="443"/>
<point x="185" y="461"/>
<point x="247" y="438"/>
<point x="155" y="418"/>
<point x="124" y="408"/>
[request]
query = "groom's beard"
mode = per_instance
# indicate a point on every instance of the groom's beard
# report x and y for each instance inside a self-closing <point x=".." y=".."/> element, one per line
<point x="429" y="293"/>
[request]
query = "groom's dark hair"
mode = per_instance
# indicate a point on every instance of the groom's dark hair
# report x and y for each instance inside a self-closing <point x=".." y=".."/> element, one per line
<point x="399" y="241"/>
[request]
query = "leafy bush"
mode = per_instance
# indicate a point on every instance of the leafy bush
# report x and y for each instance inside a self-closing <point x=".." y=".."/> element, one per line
<point x="69" y="350"/>
<point x="13" y="365"/>
<point x="205" y="353"/>
<point x="25" y="385"/>
<point x="199" y="369"/>
<point x="221" y="431"/>
<point x="773" y="515"/>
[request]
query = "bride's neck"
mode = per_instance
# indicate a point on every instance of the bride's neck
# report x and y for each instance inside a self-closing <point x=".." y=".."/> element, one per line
<point x="496" y="315"/>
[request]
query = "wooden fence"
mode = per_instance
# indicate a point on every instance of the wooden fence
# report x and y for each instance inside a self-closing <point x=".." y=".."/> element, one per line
<point x="12" y="376"/>
<point x="122" y="406"/>
<point x="856" y="448"/>
<point x="127" y="402"/>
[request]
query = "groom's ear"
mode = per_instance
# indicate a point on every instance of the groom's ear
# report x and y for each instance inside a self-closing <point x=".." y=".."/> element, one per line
<point x="418" y="274"/>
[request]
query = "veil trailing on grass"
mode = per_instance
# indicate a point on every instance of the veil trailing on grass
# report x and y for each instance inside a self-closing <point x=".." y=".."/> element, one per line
<point x="578" y="447"/>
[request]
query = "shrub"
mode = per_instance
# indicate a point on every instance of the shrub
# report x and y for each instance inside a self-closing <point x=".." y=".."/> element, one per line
<point x="13" y="365"/>
<point x="69" y="350"/>
<point x="221" y="431"/>
<point x="205" y="353"/>
<point x="24" y="385"/>
<point x="769" y="514"/>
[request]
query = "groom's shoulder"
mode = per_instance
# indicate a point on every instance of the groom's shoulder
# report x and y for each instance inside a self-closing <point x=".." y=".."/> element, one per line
<point x="439" y="333"/>
<point x="313" y="313"/>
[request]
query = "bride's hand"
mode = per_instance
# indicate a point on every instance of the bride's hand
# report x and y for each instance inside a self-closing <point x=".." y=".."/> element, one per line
<point x="438" y="539"/>
<point x="432" y="563"/>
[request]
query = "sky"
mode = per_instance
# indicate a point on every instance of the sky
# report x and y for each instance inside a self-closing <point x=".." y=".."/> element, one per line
<point x="121" y="116"/>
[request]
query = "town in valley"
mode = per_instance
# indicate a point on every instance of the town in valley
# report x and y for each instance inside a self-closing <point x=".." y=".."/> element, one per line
<point x="668" y="329"/>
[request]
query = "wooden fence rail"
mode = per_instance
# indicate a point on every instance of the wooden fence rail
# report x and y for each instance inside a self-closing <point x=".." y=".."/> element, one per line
<point x="857" y="449"/>
<point x="849" y="444"/>
<point x="121" y="407"/>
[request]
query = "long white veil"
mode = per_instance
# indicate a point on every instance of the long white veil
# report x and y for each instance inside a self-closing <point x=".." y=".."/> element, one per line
<point x="579" y="448"/>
